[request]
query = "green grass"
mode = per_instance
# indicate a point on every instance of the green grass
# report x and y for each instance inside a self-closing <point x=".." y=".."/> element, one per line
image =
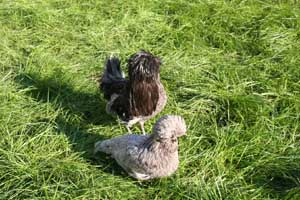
<point x="231" y="69"/>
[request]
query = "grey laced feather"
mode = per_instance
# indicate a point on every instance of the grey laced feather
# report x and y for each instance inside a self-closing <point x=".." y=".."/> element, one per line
<point x="148" y="156"/>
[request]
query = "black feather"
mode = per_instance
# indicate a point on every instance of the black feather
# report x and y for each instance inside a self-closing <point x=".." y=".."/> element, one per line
<point x="112" y="80"/>
<point x="137" y="96"/>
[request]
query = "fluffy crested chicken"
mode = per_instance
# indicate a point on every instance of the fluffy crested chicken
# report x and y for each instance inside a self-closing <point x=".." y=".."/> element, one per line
<point x="138" y="98"/>
<point x="148" y="156"/>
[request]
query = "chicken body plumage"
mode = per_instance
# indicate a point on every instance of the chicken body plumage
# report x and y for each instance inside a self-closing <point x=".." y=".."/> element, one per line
<point x="148" y="156"/>
<point x="138" y="98"/>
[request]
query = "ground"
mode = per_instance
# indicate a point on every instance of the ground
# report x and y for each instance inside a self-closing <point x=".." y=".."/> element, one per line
<point x="230" y="68"/>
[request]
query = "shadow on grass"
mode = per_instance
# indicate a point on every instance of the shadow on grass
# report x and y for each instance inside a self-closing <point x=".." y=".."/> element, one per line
<point x="59" y="93"/>
<point x="283" y="184"/>
<point x="82" y="105"/>
<point x="108" y="165"/>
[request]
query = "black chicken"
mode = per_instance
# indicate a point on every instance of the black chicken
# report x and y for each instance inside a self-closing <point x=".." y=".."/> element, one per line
<point x="138" y="98"/>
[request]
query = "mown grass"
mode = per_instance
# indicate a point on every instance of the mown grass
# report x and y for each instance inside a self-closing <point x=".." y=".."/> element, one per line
<point x="231" y="69"/>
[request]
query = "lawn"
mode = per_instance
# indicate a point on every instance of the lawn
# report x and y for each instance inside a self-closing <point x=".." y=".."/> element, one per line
<point x="230" y="68"/>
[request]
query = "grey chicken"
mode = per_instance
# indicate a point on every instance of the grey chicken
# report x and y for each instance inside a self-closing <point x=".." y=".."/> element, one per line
<point x="138" y="98"/>
<point x="148" y="156"/>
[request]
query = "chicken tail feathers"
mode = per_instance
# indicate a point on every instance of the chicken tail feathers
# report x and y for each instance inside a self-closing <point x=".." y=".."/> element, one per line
<point x="113" y="70"/>
<point x="113" y="79"/>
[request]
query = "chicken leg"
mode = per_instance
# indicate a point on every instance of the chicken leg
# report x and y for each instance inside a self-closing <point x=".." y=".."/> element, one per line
<point x="128" y="129"/>
<point x="142" y="127"/>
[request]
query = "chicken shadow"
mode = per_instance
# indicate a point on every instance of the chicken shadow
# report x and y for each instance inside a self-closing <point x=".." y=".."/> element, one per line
<point x="108" y="165"/>
<point x="60" y="95"/>
<point x="87" y="105"/>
